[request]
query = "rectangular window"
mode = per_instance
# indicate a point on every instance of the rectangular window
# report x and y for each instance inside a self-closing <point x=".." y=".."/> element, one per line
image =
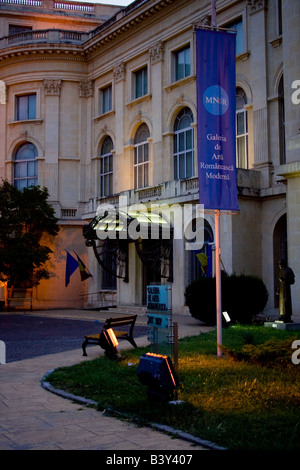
<point x="183" y="154"/>
<point x="17" y="29"/>
<point x="182" y="63"/>
<point x="237" y="26"/>
<point x="106" y="176"/>
<point x="25" y="107"/>
<point x="25" y="174"/>
<point x="141" y="165"/>
<point x="242" y="139"/>
<point x="106" y="99"/>
<point x="140" y="83"/>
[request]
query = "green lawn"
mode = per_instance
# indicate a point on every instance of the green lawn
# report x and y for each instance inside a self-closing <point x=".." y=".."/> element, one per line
<point x="237" y="404"/>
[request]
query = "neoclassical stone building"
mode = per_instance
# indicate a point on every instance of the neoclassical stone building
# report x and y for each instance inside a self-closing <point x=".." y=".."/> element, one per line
<point x="98" y="103"/>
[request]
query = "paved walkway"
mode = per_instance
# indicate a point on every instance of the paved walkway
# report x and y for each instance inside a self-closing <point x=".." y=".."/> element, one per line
<point x="33" y="418"/>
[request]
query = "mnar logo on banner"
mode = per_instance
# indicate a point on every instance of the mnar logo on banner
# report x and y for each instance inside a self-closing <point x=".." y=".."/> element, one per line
<point x="216" y="119"/>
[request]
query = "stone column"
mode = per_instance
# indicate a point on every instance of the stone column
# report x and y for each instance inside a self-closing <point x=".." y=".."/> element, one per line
<point x="119" y="80"/>
<point x="119" y="73"/>
<point x="86" y="95"/>
<point x="3" y="111"/>
<point x="291" y="74"/>
<point x="259" y="61"/>
<point x="291" y="171"/>
<point x="156" y="54"/>
<point x="52" y="120"/>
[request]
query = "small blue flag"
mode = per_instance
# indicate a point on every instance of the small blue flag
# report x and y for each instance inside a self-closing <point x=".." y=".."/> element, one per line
<point x="71" y="266"/>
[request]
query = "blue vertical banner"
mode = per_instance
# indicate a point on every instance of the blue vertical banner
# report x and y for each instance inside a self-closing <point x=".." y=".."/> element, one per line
<point x="216" y="108"/>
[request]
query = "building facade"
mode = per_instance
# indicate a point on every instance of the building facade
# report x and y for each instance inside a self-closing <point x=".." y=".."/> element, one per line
<point x="98" y="103"/>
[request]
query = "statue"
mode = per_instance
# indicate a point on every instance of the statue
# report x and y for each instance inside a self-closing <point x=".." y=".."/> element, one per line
<point x="286" y="279"/>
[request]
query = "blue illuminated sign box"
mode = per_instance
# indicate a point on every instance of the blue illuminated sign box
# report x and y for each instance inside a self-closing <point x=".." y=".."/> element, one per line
<point x="157" y="320"/>
<point x="158" y="298"/>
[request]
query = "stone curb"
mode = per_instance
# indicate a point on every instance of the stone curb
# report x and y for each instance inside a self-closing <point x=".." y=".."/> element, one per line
<point x="47" y="386"/>
<point x="158" y="427"/>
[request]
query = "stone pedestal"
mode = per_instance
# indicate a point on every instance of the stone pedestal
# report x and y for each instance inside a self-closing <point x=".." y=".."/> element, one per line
<point x="280" y="325"/>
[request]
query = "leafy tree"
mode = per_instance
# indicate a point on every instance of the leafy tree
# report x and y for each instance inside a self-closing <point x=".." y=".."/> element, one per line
<point x="25" y="216"/>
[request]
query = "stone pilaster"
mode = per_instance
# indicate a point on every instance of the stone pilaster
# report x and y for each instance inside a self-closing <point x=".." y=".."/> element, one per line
<point x="291" y="172"/>
<point x="52" y="90"/>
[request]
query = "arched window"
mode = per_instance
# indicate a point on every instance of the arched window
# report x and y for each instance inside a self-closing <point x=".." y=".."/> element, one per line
<point x="141" y="157"/>
<point x="25" y="166"/>
<point x="106" y="171"/>
<point x="183" y="145"/>
<point x="241" y="129"/>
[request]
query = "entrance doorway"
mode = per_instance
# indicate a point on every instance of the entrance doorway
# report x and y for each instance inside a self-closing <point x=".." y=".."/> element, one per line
<point x="149" y="277"/>
<point x="200" y="262"/>
<point x="157" y="262"/>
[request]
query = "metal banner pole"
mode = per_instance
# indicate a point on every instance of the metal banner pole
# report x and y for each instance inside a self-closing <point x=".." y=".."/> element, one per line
<point x="175" y="351"/>
<point x="218" y="283"/>
<point x="217" y="235"/>
<point x="213" y="14"/>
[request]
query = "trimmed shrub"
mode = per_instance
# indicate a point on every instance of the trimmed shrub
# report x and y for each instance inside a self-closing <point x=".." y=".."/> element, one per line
<point x="200" y="297"/>
<point x="243" y="297"/>
<point x="271" y="353"/>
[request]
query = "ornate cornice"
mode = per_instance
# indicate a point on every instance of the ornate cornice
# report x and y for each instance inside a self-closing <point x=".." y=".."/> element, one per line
<point x="61" y="52"/>
<point x="111" y="30"/>
<point x="34" y="47"/>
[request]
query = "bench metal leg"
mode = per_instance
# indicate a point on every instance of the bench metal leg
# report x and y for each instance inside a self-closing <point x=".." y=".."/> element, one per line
<point x="84" y="346"/>
<point x="131" y="341"/>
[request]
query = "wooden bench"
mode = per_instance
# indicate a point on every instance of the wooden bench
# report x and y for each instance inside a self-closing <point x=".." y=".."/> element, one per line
<point x="128" y="320"/>
<point x="19" y="297"/>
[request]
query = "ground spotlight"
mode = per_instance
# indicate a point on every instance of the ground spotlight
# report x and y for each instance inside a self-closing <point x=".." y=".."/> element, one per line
<point x="109" y="343"/>
<point x="157" y="372"/>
